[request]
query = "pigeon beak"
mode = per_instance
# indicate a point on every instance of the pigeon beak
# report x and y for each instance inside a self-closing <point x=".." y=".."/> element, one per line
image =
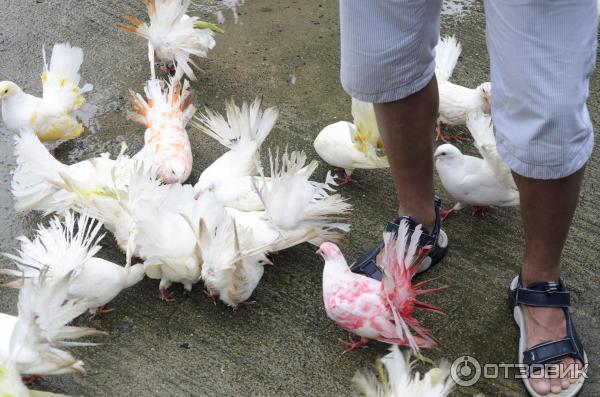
<point x="267" y="262"/>
<point x="318" y="252"/>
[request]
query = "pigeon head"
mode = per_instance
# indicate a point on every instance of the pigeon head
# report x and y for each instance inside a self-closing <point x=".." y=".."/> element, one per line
<point x="329" y="251"/>
<point x="447" y="153"/>
<point x="485" y="90"/>
<point x="8" y="88"/>
<point x="173" y="172"/>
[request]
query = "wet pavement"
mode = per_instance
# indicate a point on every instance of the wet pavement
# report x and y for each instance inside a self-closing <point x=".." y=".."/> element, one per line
<point x="287" y="52"/>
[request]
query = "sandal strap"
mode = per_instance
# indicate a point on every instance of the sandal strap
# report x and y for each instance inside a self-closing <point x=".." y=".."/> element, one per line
<point x="367" y="263"/>
<point x="530" y="297"/>
<point x="551" y="352"/>
<point x="427" y="238"/>
<point x="549" y="294"/>
<point x="542" y="294"/>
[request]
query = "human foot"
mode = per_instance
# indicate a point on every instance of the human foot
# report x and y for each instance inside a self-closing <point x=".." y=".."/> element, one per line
<point x="436" y="241"/>
<point x="546" y="324"/>
<point x="549" y="347"/>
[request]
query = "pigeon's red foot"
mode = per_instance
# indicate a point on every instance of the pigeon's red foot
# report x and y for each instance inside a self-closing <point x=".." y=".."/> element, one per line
<point x="165" y="295"/>
<point x="31" y="379"/>
<point x="457" y="137"/>
<point x="446" y="213"/>
<point x="212" y="297"/>
<point x="343" y="178"/>
<point x="481" y="210"/>
<point x="102" y="310"/>
<point x="352" y="344"/>
<point x="438" y="133"/>
<point x="169" y="68"/>
<point x="445" y="134"/>
<point x="246" y="303"/>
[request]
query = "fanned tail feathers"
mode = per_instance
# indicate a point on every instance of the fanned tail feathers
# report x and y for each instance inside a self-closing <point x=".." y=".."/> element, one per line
<point x="481" y="128"/>
<point x="446" y="56"/>
<point x="242" y="126"/>
<point x="45" y="309"/>
<point x="292" y="201"/>
<point x="172" y="101"/>
<point x="172" y="34"/>
<point x="366" y="135"/>
<point x="34" y="180"/>
<point x="395" y="378"/>
<point x="61" y="79"/>
<point x="61" y="247"/>
<point x="399" y="264"/>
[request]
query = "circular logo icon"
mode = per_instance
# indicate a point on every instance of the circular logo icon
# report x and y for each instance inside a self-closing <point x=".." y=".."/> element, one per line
<point x="465" y="371"/>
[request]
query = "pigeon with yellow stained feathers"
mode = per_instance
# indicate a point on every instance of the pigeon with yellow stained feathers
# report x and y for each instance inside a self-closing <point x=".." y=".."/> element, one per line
<point x="395" y="378"/>
<point x="353" y="145"/>
<point x="52" y="116"/>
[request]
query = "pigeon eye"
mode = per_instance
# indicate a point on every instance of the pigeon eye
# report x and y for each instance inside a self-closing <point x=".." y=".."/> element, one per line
<point x="6" y="91"/>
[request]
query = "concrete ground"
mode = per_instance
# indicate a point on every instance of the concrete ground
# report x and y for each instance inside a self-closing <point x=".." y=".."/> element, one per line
<point x="284" y="344"/>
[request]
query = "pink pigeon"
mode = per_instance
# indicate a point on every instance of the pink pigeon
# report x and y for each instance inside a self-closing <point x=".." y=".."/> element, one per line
<point x="379" y="310"/>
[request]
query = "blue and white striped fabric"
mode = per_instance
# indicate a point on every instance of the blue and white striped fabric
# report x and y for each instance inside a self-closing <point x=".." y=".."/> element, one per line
<point x="542" y="54"/>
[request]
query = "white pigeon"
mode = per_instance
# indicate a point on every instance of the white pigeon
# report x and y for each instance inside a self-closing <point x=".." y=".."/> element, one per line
<point x="52" y="116"/>
<point x="32" y="342"/>
<point x="234" y="244"/>
<point x="38" y="180"/>
<point x="165" y="115"/>
<point x="242" y="132"/>
<point x="161" y="216"/>
<point x="174" y="36"/>
<point x="456" y="101"/>
<point x="230" y="270"/>
<point x="69" y="246"/>
<point x="147" y="219"/>
<point x="349" y="146"/>
<point x="295" y="204"/>
<point x="396" y="378"/>
<point x="472" y="181"/>
<point x="116" y="204"/>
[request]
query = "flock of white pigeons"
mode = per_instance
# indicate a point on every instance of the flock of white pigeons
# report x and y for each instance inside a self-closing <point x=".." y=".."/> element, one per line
<point x="220" y="230"/>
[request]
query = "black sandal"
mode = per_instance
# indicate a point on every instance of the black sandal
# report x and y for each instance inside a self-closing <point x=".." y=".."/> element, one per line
<point x="546" y="294"/>
<point x="366" y="264"/>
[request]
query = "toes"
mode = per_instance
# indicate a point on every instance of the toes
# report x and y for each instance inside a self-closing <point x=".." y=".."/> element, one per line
<point x="565" y="383"/>
<point x="555" y="385"/>
<point x="540" y="385"/>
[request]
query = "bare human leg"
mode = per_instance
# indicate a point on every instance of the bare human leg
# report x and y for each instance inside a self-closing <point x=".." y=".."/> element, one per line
<point x="405" y="126"/>
<point x="547" y="208"/>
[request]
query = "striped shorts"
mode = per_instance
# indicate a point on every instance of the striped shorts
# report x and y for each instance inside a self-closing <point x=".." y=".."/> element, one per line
<point x="542" y="54"/>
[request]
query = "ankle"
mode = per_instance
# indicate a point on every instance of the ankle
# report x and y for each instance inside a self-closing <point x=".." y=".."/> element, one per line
<point x="529" y="275"/>
<point x="424" y="216"/>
